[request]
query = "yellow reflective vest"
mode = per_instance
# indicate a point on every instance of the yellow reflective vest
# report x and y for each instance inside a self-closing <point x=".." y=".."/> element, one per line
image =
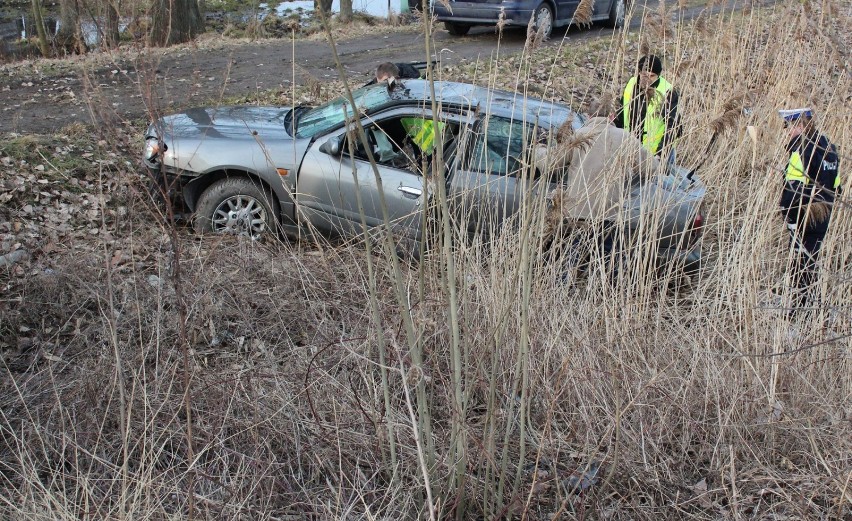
<point x="654" y="126"/>
<point x="796" y="171"/>
<point x="422" y="132"/>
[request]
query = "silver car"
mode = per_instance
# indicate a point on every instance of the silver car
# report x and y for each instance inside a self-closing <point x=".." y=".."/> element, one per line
<point x="248" y="170"/>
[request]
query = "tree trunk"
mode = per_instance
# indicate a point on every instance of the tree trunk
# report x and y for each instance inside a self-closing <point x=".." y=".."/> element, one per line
<point x="38" y="19"/>
<point x="324" y="6"/>
<point x="345" y="11"/>
<point x="111" y="34"/>
<point x="175" y="21"/>
<point x="69" y="37"/>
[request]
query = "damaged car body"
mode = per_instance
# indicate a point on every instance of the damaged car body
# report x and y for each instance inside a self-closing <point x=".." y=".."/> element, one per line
<point x="249" y="170"/>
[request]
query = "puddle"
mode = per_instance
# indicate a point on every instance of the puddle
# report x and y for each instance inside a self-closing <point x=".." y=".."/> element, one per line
<point x="380" y="8"/>
<point x="17" y="27"/>
<point x="22" y="27"/>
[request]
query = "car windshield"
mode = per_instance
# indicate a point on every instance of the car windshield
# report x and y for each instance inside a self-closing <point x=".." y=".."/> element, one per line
<point x="334" y="113"/>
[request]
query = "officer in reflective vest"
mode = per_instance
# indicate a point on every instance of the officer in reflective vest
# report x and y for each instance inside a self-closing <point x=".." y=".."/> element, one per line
<point x="422" y="133"/>
<point x="649" y="108"/>
<point x="811" y="182"/>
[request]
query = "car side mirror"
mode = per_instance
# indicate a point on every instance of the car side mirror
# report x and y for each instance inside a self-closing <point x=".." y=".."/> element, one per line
<point x="332" y="146"/>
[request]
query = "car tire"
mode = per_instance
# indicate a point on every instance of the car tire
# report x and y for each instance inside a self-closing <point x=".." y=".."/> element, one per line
<point x="237" y="206"/>
<point x="617" y="14"/>
<point x="457" y="29"/>
<point x="543" y="17"/>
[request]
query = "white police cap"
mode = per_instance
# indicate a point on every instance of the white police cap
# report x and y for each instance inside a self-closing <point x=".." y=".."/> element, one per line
<point x="794" y="114"/>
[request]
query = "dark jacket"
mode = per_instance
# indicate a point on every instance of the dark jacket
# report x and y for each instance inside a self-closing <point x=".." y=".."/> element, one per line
<point x="638" y="109"/>
<point x="406" y="71"/>
<point x="820" y="162"/>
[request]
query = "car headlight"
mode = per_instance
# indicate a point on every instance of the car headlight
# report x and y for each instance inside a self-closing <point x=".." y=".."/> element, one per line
<point x="153" y="147"/>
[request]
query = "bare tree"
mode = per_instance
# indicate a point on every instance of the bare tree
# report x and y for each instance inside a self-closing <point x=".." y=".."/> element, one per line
<point x="109" y="10"/>
<point x="69" y="37"/>
<point x="175" y="21"/>
<point x="323" y="5"/>
<point x="345" y="11"/>
<point x="38" y="20"/>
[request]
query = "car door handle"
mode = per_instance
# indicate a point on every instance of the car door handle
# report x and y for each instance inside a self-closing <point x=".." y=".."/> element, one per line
<point x="410" y="191"/>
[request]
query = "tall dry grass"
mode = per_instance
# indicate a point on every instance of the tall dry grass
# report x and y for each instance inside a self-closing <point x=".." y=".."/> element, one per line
<point x="537" y="399"/>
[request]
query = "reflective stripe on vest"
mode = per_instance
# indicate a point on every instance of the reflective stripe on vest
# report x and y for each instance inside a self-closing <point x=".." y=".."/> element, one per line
<point x="422" y="132"/>
<point x="654" y="127"/>
<point x="795" y="169"/>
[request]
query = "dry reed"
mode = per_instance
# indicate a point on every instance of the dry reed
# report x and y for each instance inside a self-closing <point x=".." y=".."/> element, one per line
<point x="703" y="403"/>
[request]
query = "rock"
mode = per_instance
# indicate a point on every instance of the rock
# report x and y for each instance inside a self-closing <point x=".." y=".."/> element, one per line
<point x="14" y="257"/>
<point x="583" y="478"/>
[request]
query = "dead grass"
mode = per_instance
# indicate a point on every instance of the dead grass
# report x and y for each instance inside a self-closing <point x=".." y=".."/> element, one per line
<point x="699" y="404"/>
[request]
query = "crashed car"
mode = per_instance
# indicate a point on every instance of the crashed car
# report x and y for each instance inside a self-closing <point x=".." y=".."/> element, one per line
<point x="251" y="170"/>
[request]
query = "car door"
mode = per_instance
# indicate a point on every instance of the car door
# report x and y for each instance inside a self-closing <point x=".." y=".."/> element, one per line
<point x="565" y="10"/>
<point x="487" y="185"/>
<point x="333" y="176"/>
<point x="602" y="8"/>
<point x="398" y="181"/>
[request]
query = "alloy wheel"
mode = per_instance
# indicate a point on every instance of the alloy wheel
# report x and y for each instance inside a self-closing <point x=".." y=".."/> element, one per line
<point x="544" y="20"/>
<point x="240" y="215"/>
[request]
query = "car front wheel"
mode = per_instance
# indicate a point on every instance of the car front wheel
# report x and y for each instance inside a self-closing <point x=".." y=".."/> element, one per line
<point x="237" y="206"/>
<point x="457" y="29"/>
<point x="543" y="20"/>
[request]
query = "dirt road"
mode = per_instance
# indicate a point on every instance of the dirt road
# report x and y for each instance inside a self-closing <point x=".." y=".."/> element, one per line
<point x="44" y="98"/>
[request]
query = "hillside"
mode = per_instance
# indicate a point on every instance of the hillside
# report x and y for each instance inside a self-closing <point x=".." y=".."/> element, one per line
<point x="151" y="373"/>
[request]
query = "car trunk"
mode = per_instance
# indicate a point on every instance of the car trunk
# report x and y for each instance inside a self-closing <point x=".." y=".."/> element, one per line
<point x="667" y="207"/>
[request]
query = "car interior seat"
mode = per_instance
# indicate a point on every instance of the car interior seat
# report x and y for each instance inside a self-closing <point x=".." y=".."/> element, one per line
<point x="383" y="148"/>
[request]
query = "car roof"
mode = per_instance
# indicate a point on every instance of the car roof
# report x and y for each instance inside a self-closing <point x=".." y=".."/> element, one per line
<point x="466" y="96"/>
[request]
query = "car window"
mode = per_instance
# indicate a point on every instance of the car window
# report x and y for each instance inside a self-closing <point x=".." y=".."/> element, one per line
<point x="334" y="113"/>
<point x="386" y="142"/>
<point x="500" y="145"/>
<point x="405" y="142"/>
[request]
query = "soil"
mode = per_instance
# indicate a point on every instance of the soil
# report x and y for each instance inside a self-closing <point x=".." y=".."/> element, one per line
<point x="47" y="96"/>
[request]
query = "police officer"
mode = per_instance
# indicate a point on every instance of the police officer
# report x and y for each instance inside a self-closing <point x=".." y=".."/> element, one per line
<point x="421" y="131"/>
<point x="811" y="182"/>
<point x="649" y="108"/>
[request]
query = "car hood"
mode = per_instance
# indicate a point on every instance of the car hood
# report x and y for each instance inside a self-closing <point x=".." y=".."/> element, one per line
<point x="226" y="122"/>
<point x="250" y="138"/>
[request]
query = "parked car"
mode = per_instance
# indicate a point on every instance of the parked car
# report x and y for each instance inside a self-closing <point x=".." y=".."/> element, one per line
<point x="249" y="170"/>
<point x="460" y="16"/>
